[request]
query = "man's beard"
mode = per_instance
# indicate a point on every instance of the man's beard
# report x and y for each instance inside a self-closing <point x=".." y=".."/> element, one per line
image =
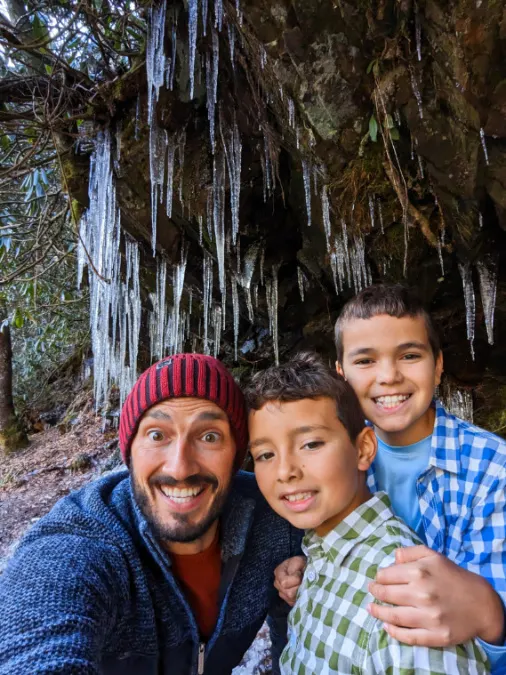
<point x="180" y="529"/>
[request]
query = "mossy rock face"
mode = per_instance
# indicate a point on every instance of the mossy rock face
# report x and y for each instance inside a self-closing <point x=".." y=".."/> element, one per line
<point x="13" y="438"/>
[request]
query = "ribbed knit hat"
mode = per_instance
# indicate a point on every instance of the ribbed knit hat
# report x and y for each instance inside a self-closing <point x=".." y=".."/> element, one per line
<point x="185" y="375"/>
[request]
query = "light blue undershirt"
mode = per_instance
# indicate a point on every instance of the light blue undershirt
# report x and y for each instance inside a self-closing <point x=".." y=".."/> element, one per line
<point x="397" y="469"/>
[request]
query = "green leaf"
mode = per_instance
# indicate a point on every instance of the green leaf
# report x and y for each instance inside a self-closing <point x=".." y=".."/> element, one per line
<point x="389" y="122"/>
<point x="49" y="69"/>
<point x="394" y="134"/>
<point x="373" y="129"/>
<point x="18" y="319"/>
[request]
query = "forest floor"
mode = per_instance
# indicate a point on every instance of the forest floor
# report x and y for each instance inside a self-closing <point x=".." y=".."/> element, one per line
<point x="58" y="460"/>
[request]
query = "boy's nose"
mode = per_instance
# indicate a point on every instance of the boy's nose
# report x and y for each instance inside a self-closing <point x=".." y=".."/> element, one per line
<point x="388" y="373"/>
<point x="288" y="470"/>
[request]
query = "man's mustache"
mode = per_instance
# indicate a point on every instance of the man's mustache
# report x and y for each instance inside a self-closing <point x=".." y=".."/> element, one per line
<point x="192" y="481"/>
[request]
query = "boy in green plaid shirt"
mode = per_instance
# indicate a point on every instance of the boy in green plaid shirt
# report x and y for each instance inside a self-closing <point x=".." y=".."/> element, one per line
<point x="311" y="450"/>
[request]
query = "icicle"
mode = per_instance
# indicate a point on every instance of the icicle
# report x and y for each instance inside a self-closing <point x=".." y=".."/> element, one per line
<point x="204" y="6"/>
<point x="440" y="254"/>
<point x="238" y="256"/>
<point x="255" y="295"/>
<point x="487" y="272"/>
<point x="371" y="211"/>
<point x="247" y="276"/>
<point x="306" y="174"/>
<point x="238" y="11"/>
<point x="484" y="144"/>
<point x="300" y="280"/>
<point x="467" y="284"/>
<point x="177" y="290"/>
<point x="171" y="149"/>
<point x="219" y="216"/>
<point x="480" y="219"/>
<point x="155" y="55"/>
<point x="231" y="42"/>
<point x="272" y="309"/>
<point x="207" y="269"/>
<point x="193" y="15"/>
<point x="262" y="260"/>
<point x="232" y="147"/>
<point x="326" y="214"/>
<point x="380" y="214"/>
<point x="157" y="146"/>
<point x="418" y="32"/>
<point x="291" y="112"/>
<point x="217" y="324"/>
<point x="212" y="85"/>
<point x="416" y="92"/>
<point x="171" y="66"/>
<point x="263" y="57"/>
<point x="458" y="402"/>
<point x="201" y="227"/>
<point x="235" y="309"/>
<point x="420" y="166"/>
<point x="218" y="14"/>
<point x="159" y="311"/>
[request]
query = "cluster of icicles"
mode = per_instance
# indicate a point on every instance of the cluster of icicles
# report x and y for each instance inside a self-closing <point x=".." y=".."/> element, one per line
<point x="116" y="303"/>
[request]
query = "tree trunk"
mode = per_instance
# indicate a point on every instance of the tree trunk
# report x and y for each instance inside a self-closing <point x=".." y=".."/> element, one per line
<point x="12" y="436"/>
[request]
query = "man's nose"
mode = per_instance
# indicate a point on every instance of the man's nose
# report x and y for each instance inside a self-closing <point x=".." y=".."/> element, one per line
<point x="181" y="460"/>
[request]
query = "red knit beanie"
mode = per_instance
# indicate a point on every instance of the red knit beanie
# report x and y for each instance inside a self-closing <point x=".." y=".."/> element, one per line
<point x="190" y="375"/>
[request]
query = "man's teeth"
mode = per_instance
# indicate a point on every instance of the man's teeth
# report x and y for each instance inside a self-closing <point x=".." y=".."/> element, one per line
<point x="298" y="497"/>
<point x="181" y="495"/>
<point x="391" y="401"/>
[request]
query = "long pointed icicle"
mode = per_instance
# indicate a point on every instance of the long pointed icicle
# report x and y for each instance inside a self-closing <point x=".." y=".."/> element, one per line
<point x="487" y="272"/>
<point x="467" y="284"/>
<point x="232" y="147"/>
<point x="155" y="55"/>
<point x="193" y="15"/>
<point x="306" y="175"/>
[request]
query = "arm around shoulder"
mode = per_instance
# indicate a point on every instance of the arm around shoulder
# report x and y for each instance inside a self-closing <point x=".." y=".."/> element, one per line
<point x="59" y="597"/>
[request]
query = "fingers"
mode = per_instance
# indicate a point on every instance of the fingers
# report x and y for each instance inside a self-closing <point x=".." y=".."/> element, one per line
<point x="399" y="617"/>
<point x="296" y="566"/>
<point x="412" y="554"/>
<point x="289" y="596"/>
<point x="419" y="636"/>
<point x="405" y="595"/>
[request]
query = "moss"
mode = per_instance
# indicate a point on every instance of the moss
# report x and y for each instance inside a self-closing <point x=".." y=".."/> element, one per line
<point x="12" y="437"/>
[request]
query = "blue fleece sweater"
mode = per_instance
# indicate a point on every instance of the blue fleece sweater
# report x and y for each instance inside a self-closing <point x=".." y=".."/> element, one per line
<point x="90" y="590"/>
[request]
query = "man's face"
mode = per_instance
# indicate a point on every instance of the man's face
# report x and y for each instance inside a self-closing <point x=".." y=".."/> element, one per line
<point x="305" y="463"/>
<point x="390" y="365"/>
<point x="182" y="460"/>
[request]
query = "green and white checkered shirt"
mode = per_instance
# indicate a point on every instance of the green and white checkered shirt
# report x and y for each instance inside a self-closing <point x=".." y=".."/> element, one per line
<point x="329" y="628"/>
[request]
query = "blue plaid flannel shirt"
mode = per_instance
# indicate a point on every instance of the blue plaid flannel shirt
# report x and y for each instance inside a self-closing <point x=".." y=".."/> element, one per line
<point x="462" y="498"/>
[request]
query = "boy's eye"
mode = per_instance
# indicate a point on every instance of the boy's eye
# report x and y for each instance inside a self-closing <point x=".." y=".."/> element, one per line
<point x="155" y="436"/>
<point x="313" y="445"/>
<point x="263" y="456"/>
<point x="211" y="437"/>
<point x="363" y="362"/>
<point x="411" y="357"/>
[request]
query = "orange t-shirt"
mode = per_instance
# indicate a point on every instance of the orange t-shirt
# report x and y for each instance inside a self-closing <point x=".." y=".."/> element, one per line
<point x="199" y="577"/>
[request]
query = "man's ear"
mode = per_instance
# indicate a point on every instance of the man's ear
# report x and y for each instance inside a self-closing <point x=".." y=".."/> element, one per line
<point x="339" y="369"/>
<point x="367" y="446"/>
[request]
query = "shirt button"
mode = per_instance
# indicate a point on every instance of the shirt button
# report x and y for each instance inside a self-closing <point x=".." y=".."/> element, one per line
<point x="311" y="575"/>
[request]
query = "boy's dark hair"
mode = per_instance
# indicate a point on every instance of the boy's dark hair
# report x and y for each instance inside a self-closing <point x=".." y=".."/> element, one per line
<point x="307" y="376"/>
<point x="393" y="299"/>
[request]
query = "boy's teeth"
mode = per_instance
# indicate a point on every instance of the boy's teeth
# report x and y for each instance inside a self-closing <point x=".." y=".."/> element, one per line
<point x="391" y="401"/>
<point x="298" y="497"/>
<point x="181" y="495"/>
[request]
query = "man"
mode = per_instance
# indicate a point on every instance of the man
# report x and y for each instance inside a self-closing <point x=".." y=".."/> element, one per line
<point x="166" y="569"/>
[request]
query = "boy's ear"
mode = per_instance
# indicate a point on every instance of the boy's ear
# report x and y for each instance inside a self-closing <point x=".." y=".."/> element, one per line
<point x="339" y="369"/>
<point x="367" y="446"/>
<point x="439" y="369"/>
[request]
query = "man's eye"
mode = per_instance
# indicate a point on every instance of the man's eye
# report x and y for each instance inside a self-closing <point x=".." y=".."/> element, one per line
<point x="211" y="437"/>
<point x="155" y="436"/>
<point x="411" y="357"/>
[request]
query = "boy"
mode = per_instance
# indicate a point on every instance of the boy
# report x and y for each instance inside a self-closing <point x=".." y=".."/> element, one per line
<point x="445" y="477"/>
<point x="311" y="450"/>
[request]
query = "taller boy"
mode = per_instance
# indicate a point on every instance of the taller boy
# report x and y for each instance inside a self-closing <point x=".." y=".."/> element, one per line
<point x="446" y="478"/>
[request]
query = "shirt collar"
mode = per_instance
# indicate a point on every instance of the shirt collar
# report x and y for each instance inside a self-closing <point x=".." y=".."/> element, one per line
<point x="444" y="452"/>
<point x="356" y="527"/>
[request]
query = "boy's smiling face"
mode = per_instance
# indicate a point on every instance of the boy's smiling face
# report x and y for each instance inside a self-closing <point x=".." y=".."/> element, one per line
<point x="305" y="463"/>
<point x="390" y="365"/>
